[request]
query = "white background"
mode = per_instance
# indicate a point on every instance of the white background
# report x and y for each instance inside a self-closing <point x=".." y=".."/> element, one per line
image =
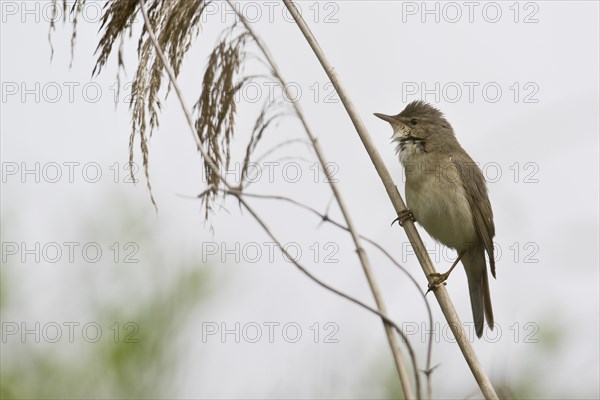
<point x="539" y="153"/>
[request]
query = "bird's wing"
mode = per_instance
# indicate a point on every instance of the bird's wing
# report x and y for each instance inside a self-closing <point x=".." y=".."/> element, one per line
<point x="474" y="184"/>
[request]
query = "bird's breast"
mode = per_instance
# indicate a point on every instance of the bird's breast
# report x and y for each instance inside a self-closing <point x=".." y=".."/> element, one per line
<point x="437" y="198"/>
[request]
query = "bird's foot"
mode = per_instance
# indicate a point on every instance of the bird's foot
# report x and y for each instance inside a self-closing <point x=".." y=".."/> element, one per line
<point x="404" y="216"/>
<point x="437" y="279"/>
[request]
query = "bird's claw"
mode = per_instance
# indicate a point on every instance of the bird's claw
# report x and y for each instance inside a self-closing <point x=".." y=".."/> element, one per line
<point x="438" y="279"/>
<point x="404" y="216"/>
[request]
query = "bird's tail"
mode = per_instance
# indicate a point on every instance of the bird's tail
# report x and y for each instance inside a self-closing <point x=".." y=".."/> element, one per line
<point x="479" y="289"/>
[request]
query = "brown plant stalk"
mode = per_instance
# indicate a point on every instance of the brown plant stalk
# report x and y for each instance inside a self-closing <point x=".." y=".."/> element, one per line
<point x="364" y="261"/>
<point x="214" y="167"/>
<point x="166" y="36"/>
<point x="440" y="292"/>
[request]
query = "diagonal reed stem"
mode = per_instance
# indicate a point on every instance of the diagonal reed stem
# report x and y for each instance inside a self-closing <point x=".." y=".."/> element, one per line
<point x="390" y="325"/>
<point x="364" y="260"/>
<point x="441" y="293"/>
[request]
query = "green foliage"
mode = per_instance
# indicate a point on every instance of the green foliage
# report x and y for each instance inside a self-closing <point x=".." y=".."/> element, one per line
<point x="139" y="350"/>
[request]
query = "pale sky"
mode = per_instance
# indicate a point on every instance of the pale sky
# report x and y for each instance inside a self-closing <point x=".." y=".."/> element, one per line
<point x="519" y="82"/>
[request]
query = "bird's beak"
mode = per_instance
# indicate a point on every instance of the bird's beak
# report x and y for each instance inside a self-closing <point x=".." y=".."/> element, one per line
<point x="387" y="118"/>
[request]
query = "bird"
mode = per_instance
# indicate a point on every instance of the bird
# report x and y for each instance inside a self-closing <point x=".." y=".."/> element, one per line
<point x="446" y="193"/>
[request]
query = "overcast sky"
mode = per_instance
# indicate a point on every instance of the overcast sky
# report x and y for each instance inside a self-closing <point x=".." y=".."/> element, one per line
<point x="519" y="82"/>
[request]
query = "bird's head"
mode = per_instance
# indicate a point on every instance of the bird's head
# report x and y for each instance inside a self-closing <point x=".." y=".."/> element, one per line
<point x="418" y="123"/>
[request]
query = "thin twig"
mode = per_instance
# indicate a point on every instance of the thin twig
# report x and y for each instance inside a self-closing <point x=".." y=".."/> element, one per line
<point x="279" y="146"/>
<point x="325" y="218"/>
<point x="364" y="261"/>
<point x="440" y="292"/>
<point x="391" y="325"/>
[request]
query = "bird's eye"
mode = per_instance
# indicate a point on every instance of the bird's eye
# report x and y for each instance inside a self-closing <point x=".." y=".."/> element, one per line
<point x="413" y="121"/>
